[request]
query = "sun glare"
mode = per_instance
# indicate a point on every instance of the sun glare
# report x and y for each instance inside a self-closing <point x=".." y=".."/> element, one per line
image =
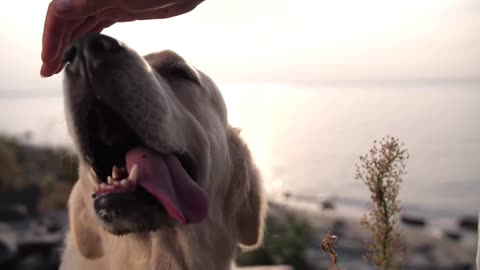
<point x="268" y="104"/>
<point x="268" y="40"/>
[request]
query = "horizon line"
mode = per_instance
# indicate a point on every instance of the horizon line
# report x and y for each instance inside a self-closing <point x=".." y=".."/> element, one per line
<point x="54" y="93"/>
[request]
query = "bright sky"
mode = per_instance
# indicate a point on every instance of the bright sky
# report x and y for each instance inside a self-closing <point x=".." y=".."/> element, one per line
<point x="280" y="40"/>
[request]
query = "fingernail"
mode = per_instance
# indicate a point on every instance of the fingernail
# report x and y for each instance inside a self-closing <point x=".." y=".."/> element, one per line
<point x="42" y="72"/>
<point x="62" y="5"/>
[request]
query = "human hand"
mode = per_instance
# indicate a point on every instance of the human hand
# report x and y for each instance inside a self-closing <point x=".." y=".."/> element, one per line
<point x="66" y="20"/>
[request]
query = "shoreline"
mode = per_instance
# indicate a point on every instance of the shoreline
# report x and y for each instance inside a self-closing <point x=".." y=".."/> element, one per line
<point x="427" y="246"/>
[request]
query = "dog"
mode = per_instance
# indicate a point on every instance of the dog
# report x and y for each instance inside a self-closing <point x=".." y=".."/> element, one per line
<point x="165" y="183"/>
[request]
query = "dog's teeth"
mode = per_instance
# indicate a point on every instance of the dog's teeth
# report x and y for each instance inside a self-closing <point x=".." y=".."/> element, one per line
<point x="109" y="180"/>
<point x="133" y="174"/>
<point x="115" y="172"/>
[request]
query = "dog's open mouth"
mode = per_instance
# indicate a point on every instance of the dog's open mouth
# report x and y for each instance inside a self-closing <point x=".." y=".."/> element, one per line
<point x="125" y="166"/>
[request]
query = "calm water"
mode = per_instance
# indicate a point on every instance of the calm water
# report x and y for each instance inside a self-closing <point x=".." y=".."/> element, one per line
<point x="307" y="139"/>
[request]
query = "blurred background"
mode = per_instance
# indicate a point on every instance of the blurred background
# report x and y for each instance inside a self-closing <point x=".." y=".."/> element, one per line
<point x="312" y="84"/>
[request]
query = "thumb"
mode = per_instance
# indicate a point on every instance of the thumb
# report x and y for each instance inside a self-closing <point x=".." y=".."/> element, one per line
<point x="75" y="9"/>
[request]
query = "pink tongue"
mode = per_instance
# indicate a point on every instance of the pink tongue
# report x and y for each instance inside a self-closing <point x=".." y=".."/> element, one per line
<point x="164" y="177"/>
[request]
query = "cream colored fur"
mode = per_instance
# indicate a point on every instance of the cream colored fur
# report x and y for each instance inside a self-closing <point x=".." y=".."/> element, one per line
<point x="236" y="200"/>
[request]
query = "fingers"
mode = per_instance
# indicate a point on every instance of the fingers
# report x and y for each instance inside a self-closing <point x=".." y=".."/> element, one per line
<point x="116" y="15"/>
<point x="145" y="5"/>
<point x="102" y="25"/>
<point x="75" y="9"/>
<point x="64" y="42"/>
<point x="159" y="13"/>
<point x="55" y="37"/>
<point x="87" y="25"/>
<point x="172" y="10"/>
<point x="52" y="60"/>
<point x="75" y="29"/>
<point x="67" y="20"/>
<point x="48" y="70"/>
<point x="54" y="29"/>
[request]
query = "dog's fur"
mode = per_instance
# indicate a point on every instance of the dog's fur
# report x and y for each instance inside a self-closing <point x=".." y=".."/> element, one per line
<point x="173" y="107"/>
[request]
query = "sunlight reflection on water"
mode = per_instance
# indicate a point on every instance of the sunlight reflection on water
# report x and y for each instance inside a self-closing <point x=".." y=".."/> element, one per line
<point x="307" y="139"/>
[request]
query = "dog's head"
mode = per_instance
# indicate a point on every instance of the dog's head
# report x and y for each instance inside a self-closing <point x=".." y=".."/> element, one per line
<point x="154" y="144"/>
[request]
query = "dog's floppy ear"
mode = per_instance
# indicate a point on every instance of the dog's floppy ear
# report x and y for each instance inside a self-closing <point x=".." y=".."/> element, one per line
<point x="82" y="225"/>
<point x="247" y="193"/>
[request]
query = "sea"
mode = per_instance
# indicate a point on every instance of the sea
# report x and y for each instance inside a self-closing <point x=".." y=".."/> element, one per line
<point x="306" y="139"/>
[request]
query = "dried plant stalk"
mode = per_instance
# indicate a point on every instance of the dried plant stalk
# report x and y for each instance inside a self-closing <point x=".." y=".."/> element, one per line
<point x="328" y="243"/>
<point x="382" y="170"/>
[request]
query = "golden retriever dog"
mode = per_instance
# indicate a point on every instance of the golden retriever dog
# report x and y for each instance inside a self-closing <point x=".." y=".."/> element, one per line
<point x="165" y="183"/>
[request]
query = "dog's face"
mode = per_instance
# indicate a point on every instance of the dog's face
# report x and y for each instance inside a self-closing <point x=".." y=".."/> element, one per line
<point x="144" y="128"/>
<point x="158" y="162"/>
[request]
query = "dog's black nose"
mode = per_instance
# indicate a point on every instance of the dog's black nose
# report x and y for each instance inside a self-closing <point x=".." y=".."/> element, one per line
<point x="98" y="44"/>
<point x="92" y="46"/>
<point x="70" y="54"/>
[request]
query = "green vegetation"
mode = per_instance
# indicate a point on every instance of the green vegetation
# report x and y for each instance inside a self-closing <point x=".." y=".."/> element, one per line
<point x="9" y="167"/>
<point x="286" y="241"/>
<point x="51" y="169"/>
<point x="382" y="170"/>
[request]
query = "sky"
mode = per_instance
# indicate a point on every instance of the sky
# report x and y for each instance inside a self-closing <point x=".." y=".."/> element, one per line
<point x="281" y="41"/>
<point x="282" y="44"/>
